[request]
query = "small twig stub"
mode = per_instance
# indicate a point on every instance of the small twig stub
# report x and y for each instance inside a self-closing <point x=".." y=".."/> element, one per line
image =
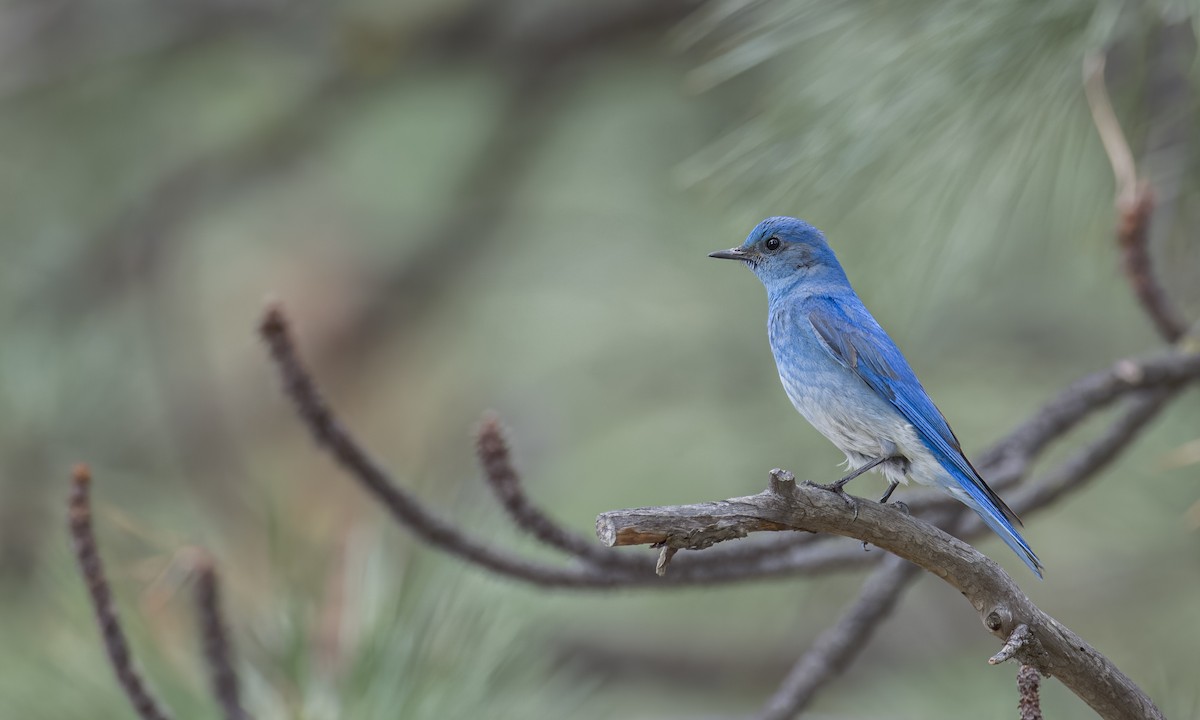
<point x="1020" y="638"/>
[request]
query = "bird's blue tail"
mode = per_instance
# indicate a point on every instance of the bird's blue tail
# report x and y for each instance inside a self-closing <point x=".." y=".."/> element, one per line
<point x="980" y="501"/>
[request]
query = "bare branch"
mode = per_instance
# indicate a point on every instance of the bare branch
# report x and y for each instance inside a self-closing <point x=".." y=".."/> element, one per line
<point x="1135" y="207"/>
<point x="1053" y="649"/>
<point x="83" y="540"/>
<point x="1097" y="454"/>
<point x="1029" y="704"/>
<point x="832" y="651"/>
<point x="505" y="482"/>
<point x="214" y="635"/>
<point x="1082" y="397"/>
<point x="1133" y="238"/>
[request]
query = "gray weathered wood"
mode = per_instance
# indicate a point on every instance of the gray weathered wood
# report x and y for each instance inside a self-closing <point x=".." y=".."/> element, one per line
<point x="1050" y="646"/>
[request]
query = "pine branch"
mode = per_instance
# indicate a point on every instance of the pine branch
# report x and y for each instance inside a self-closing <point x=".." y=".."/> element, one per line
<point x="83" y="540"/>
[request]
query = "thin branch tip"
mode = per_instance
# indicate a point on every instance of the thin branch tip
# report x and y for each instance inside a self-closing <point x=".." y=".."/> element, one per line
<point x="274" y="322"/>
<point x="87" y="556"/>
<point x="81" y="474"/>
<point x="492" y="448"/>
<point x="214" y="635"/>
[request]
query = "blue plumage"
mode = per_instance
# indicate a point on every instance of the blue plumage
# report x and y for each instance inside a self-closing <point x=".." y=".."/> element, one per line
<point x="846" y="376"/>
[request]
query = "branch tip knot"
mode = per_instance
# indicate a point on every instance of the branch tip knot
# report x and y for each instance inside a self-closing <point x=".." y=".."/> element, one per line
<point x="274" y="320"/>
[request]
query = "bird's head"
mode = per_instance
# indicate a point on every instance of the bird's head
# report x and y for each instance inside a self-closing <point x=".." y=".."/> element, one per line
<point x="784" y="252"/>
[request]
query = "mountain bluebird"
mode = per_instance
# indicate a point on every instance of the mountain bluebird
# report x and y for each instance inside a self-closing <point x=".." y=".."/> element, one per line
<point x="846" y="376"/>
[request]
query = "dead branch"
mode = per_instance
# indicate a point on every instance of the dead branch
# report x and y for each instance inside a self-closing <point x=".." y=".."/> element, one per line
<point x="83" y="540"/>
<point x="1086" y="462"/>
<point x="1053" y="649"/>
<point x="833" y="650"/>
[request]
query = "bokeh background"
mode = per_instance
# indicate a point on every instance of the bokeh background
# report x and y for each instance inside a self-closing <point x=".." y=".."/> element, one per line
<point x="507" y="204"/>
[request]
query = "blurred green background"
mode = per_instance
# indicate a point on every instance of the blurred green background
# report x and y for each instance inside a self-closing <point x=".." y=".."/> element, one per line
<point x="507" y="205"/>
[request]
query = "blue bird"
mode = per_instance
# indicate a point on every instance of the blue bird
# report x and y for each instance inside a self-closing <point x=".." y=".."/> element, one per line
<point x="850" y="381"/>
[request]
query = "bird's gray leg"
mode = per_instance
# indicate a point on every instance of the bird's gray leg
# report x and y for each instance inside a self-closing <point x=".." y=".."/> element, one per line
<point x="869" y="466"/>
<point x="889" y="449"/>
<point x="888" y="452"/>
<point x="838" y="487"/>
<point x="891" y="488"/>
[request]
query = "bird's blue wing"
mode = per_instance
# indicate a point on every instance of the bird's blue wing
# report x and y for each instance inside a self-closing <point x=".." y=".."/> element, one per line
<point x="849" y="333"/>
<point x="852" y="336"/>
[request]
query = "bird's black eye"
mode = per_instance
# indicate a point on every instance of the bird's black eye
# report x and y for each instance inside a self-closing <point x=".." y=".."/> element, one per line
<point x="772" y="243"/>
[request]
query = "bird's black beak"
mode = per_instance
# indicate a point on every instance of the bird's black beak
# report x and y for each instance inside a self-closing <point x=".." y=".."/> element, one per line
<point x="731" y="254"/>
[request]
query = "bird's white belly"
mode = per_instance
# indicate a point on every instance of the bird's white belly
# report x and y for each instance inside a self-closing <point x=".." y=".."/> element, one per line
<point x="863" y="426"/>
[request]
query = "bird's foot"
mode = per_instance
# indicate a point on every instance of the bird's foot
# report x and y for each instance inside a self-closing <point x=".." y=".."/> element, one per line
<point x="838" y="488"/>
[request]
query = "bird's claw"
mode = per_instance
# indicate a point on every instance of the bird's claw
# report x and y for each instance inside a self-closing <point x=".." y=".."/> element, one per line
<point x="837" y="489"/>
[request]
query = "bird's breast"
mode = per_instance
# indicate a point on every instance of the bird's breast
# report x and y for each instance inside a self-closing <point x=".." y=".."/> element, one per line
<point x="831" y="397"/>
